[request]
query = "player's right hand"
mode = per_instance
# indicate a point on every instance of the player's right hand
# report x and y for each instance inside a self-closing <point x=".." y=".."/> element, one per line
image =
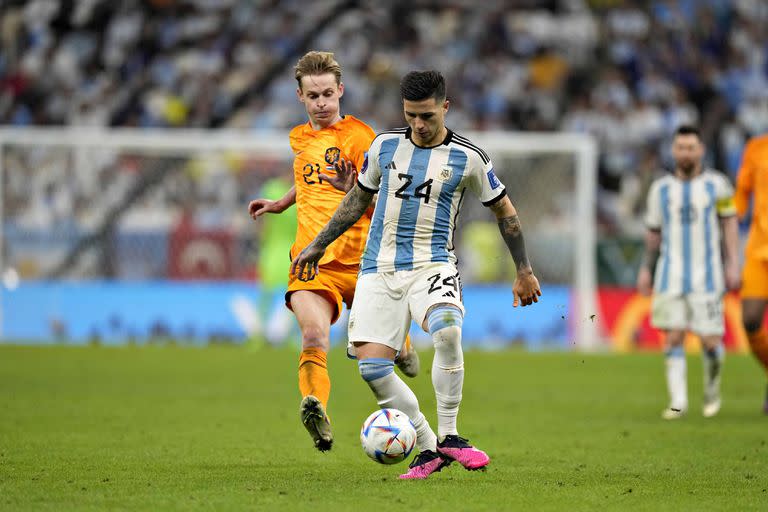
<point x="306" y="265"/>
<point x="346" y="176"/>
<point x="259" y="207"/>
<point x="644" y="282"/>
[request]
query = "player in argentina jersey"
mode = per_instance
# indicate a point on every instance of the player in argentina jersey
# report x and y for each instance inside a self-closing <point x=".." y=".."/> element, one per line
<point x="687" y="212"/>
<point x="408" y="272"/>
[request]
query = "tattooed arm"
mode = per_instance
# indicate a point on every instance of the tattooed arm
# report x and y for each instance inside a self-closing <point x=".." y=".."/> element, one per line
<point x="349" y="211"/>
<point x="526" y="287"/>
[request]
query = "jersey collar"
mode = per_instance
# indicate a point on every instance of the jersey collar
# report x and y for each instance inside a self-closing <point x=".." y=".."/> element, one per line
<point x="446" y="140"/>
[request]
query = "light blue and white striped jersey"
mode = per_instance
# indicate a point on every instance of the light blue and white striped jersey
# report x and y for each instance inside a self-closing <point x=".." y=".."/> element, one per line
<point x="687" y="214"/>
<point x="420" y="194"/>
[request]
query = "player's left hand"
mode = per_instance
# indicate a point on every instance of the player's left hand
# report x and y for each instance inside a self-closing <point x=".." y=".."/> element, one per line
<point x="306" y="265"/>
<point x="346" y="176"/>
<point x="732" y="277"/>
<point x="526" y="288"/>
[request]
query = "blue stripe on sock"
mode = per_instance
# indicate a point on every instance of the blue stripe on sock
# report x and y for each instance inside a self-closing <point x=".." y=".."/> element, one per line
<point x="375" y="368"/>
<point x="676" y="351"/>
<point x="442" y="317"/>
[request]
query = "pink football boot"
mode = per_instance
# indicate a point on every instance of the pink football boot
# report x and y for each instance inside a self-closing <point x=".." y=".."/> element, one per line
<point x="424" y="464"/>
<point x="457" y="448"/>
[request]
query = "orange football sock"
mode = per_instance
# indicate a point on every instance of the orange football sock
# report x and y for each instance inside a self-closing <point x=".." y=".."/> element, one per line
<point x="313" y="375"/>
<point x="758" y="341"/>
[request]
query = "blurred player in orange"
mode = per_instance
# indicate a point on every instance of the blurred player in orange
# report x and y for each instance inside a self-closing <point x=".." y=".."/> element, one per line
<point x="320" y="183"/>
<point x="753" y="183"/>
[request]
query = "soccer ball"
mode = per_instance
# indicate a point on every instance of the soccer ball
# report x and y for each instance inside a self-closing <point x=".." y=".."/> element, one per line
<point x="388" y="436"/>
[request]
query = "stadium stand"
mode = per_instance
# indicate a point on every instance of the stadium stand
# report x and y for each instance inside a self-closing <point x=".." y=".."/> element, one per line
<point x="572" y="65"/>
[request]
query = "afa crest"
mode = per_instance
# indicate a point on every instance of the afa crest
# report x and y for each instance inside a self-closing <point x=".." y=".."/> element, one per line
<point x="332" y="155"/>
<point x="445" y="174"/>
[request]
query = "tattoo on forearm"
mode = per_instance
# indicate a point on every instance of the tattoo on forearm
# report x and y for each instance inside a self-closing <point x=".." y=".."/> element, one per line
<point x="512" y="233"/>
<point x="350" y="210"/>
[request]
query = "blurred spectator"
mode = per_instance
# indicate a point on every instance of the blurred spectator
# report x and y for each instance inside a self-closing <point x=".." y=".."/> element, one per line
<point x="627" y="71"/>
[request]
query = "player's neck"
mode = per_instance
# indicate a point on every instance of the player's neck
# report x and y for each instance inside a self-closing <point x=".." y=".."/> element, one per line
<point x="434" y="141"/>
<point x="316" y="125"/>
<point x="680" y="174"/>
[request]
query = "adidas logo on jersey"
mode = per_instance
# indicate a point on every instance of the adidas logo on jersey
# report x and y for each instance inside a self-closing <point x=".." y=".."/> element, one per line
<point x="391" y="166"/>
<point x="449" y="294"/>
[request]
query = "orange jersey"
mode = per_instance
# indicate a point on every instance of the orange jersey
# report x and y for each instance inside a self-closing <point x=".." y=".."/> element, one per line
<point x="753" y="181"/>
<point x="316" y="152"/>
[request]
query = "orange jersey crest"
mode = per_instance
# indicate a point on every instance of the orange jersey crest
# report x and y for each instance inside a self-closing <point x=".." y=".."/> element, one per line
<point x="316" y="152"/>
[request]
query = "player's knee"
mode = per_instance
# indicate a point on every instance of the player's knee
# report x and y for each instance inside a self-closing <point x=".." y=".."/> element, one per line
<point x="447" y="339"/>
<point x="445" y="327"/>
<point x="314" y="337"/>
<point x="711" y="342"/>
<point x="375" y="368"/>
<point x="674" y="338"/>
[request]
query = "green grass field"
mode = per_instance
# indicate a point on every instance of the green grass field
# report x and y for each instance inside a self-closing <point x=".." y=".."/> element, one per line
<point x="165" y="428"/>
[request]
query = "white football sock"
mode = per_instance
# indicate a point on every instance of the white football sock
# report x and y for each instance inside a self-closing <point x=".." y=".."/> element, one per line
<point x="677" y="384"/>
<point x="447" y="378"/>
<point x="392" y="393"/>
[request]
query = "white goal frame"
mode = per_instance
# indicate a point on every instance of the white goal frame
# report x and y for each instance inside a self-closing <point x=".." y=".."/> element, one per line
<point x="162" y="141"/>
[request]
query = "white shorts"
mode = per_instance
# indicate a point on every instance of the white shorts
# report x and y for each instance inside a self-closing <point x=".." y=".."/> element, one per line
<point x="700" y="313"/>
<point x="386" y="302"/>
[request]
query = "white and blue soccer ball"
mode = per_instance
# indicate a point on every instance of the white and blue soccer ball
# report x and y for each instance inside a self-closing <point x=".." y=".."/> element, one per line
<point x="388" y="436"/>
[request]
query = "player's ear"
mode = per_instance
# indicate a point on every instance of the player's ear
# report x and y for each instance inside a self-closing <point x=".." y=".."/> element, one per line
<point x="299" y="95"/>
<point x="446" y="105"/>
<point x="341" y="89"/>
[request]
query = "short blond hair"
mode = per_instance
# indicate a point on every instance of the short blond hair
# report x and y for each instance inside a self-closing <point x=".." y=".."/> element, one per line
<point x="317" y="63"/>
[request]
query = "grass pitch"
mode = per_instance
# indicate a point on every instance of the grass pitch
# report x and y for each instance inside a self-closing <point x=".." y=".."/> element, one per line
<point x="166" y="428"/>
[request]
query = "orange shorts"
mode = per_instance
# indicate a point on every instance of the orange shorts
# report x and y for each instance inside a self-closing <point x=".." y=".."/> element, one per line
<point x="335" y="282"/>
<point x="754" y="279"/>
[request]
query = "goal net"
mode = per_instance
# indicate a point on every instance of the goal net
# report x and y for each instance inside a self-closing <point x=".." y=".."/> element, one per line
<point x="126" y="235"/>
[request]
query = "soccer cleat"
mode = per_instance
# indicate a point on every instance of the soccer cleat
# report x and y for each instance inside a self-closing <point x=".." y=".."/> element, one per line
<point x="408" y="362"/>
<point x="458" y="449"/>
<point x="316" y="422"/>
<point x="711" y="408"/>
<point x="671" y="413"/>
<point x="424" y="464"/>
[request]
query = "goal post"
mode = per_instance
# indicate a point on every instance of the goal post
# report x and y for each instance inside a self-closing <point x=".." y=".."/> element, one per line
<point x="112" y="174"/>
<point x="583" y="151"/>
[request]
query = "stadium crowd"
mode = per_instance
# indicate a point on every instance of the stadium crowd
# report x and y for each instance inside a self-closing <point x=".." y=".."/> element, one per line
<point x="627" y="71"/>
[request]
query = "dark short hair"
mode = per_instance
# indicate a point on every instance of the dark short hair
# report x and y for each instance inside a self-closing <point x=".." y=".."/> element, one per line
<point x="687" y="129"/>
<point x="422" y="85"/>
